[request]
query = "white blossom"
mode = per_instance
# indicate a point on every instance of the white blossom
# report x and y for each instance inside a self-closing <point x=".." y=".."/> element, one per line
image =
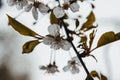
<point x="65" y="45"/>
<point x="51" y="68"/>
<point x="58" y="12"/>
<point x="35" y="7"/>
<point x="28" y="7"/>
<point x="66" y="1"/>
<point x="11" y="2"/>
<point x="19" y="3"/>
<point x="74" y="7"/>
<point x="35" y="13"/>
<point x="43" y="8"/>
<point x="48" y="40"/>
<point x="54" y="29"/>
<point x="32" y="0"/>
<point x="55" y="40"/>
<point x="73" y="66"/>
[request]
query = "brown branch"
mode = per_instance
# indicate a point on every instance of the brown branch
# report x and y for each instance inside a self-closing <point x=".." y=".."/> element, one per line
<point x="77" y="53"/>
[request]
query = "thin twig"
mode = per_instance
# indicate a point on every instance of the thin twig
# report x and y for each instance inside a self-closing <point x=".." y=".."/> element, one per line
<point x="93" y="49"/>
<point x="77" y="53"/>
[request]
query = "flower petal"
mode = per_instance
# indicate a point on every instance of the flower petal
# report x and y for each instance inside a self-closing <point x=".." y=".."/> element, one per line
<point x="11" y="2"/>
<point x="54" y="29"/>
<point x="77" y="70"/>
<point x="35" y="13"/>
<point x="24" y="2"/>
<point x="19" y="5"/>
<point x="69" y="62"/>
<point x="74" y="7"/>
<point x="32" y="0"/>
<point x="28" y="7"/>
<point x="76" y="59"/>
<point x="47" y="40"/>
<point x="66" y="1"/>
<point x="53" y="70"/>
<point x="55" y="45"/>
<point x="58" y="12"/>
<point x="43" y="8"/>
<point x="65" y="45"/>
<point x="66" y="68"/>
<point x="43" y="67"/>
<point x="74" y="70"/>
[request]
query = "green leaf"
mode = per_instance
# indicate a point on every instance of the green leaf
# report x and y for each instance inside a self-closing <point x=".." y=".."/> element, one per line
<point x="91" y="36"/>
<point x="89" y="23"/>
<point x="95" y="74"/>
<point x="77" y="23"/>
<point x="83" y="39"/>
<point x="107" y="38"/>
<point x="19" y="27"/>
<point x="29" y="46"/>
<point x="53" y="19"/>
<point x="117" y="36"/>
<point x="91" y="17"/>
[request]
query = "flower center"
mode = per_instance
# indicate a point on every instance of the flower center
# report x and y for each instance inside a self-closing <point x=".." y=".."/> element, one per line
<point x="73" y="63"/>
<point x="36" y="4"/>
<point x="57" y="39"/>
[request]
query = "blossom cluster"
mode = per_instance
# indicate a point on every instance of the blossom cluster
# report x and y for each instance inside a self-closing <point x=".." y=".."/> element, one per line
<point x="58" y="40"/>
<point x="51" y="68"/>
<point x="73" y="67"/>
<point x="36" y="5"/>
<point x="54" y="38"/>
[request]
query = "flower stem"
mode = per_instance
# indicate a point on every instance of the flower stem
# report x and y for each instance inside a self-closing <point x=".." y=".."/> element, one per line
<point x="77" y="53"/>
